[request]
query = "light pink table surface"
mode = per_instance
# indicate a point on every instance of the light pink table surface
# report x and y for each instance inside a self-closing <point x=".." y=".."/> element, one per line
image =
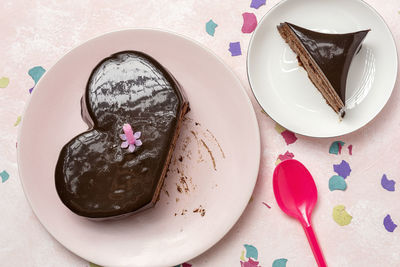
<point x="39" y="32"/>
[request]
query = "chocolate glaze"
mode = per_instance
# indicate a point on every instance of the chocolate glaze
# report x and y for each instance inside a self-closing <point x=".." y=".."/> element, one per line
<point x="94" y="176"/>
<point x="333" y="53"/>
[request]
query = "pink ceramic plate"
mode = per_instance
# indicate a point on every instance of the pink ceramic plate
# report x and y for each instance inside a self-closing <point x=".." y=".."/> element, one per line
<point x="213" y="170"/>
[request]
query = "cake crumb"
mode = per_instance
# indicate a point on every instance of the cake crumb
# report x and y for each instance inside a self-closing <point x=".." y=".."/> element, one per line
<point x="180" y="158"/>
<point x="175" y="214"/>
<point x="200" y="210"/>
<point x="183" y="211"/>
<point x="166" y="192"/>
<point x="177" y="199"/>
<point x="178" y="188"/>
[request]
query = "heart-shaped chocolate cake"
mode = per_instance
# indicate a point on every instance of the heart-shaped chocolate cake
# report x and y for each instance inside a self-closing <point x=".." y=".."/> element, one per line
<point x="134" y="108"/>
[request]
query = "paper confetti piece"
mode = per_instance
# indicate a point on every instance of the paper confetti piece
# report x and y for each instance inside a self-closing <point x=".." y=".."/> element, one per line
<point x="279" y="263"/>
<point x="340" y="215"/>
<point x="387" y="184"/>
<point x="249" y="22"/>
<point x="284" y="157"/>
<point x="257" y="3"/>
<point x="336" y="147"/>
<point x="235" y="49"/>
<point x="389" y="224"/>
<point x="93" y="265"/>
<point x="350" y="147"/>
<point x="280" y="129"/>
<point x="4" y="176"/>
<point x="289" y="137"/>
<point x="17" y="121"/>
<point x="251" y="252"/>
<point x="268" y="206"/>
<point x="4" y="81"/>
<point x="210" y="27"/>
<point x="251" y="255"/>
<point x="342" y="169"/>
<point x="36" y="73"/>
<point x="337" y="183"/>
<point x="184" y="265"/>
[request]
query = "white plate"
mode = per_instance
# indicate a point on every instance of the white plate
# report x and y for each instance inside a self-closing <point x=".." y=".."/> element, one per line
<point x="160" y="236"/>
<point x="282" y="87"/>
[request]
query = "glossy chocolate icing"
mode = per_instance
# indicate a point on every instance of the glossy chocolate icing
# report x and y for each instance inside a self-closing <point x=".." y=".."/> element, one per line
<point x="94" y="176"/>
<point x="333" y="53"/>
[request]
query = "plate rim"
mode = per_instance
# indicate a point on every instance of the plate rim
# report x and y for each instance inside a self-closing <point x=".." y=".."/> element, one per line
<point x="393" y="43"/>
<point x="257" y="157"/>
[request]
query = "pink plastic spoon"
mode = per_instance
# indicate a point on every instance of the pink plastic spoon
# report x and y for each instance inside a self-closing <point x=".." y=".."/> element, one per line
<point x="296" y="194"/>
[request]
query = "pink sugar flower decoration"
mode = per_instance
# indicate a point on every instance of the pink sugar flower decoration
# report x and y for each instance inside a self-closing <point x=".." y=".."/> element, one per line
<point x="131" y="139"/>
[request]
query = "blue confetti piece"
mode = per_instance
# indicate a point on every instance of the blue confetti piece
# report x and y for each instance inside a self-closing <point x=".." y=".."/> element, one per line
<point x="251" y="252"/>
<point x="210" y="27"/>
<point x="4" y="176"/>
<point x="387" y="184"/>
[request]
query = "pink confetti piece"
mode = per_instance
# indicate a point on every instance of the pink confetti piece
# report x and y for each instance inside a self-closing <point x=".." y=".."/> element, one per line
<point x="350" y="147"/>
<point x="286" y="156"/>
<point x="249" y="22"/>
<point x="289" y="137"/>
<point x="249" y="263"/>
<point x="268" y="206"/>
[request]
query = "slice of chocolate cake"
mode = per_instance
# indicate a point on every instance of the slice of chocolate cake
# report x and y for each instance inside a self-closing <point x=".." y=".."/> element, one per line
<point x="134" y="108"/>
<point x="326" y="58"/>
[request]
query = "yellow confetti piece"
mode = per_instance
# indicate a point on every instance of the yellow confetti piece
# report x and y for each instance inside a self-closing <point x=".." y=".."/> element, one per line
<point x="4" y="81"/>
<point x="17" y="121"/>
<point x="93" y="265"/>
<point x="340" y="215"/>
<point x="279" y="128"/>
<point x="242" y="256"/>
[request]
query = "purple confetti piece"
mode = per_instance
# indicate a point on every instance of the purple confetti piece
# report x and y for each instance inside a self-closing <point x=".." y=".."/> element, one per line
<point x="235" y="49"/>
<point x="342" y="169"/>
<point x="387" y="184"/>
<point x="257" y="3"/>
<point x="389" y="224"/>
<point x="30" y="90"/>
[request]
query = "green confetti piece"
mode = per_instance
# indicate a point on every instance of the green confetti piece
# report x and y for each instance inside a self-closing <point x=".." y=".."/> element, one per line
<point x="251" y="252"/>
<point x="337" y="182"/>
<point x="340" y="215"/>
<point x="210" y="27"/>
<point x="17" y="121"/>
<point x="4" y="81"/>
<point x="279" y="263"/>
<point x="336" y="147"/>
<point x="4" y="176"/>
<point x="93" y="265"/>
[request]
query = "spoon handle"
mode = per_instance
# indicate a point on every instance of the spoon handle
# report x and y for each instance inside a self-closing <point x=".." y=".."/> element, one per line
<point x="312" y="239"/>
